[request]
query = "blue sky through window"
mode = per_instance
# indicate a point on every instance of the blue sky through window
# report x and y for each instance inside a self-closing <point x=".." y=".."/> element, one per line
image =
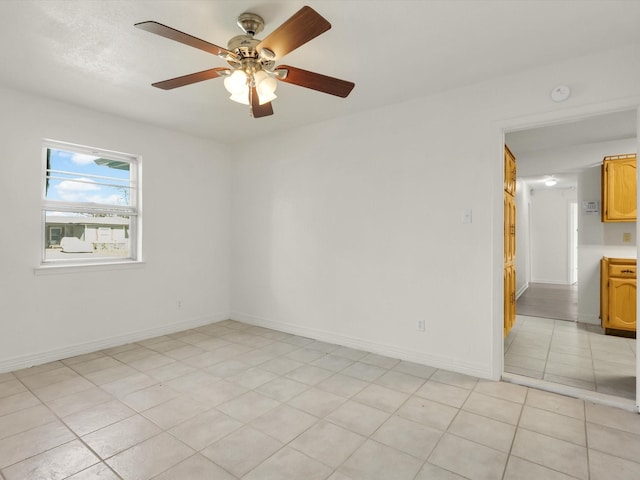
<point x="80" y="177"/>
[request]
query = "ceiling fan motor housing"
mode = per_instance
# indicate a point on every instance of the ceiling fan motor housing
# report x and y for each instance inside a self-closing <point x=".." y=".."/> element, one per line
<point x="245" y="47"/>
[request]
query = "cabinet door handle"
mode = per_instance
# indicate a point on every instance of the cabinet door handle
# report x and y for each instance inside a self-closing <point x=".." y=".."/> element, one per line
<point x="628" y="271"/>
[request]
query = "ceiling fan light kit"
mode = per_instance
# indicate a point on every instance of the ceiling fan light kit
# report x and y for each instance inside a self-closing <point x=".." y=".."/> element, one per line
<point x="253" y="77"/>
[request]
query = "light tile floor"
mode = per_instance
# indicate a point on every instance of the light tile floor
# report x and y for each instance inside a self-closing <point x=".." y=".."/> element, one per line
<point x="233" y="401"/>
<point x="573" y="354"/>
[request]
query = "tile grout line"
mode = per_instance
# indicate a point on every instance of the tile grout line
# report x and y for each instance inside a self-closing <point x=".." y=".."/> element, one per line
<point x="586" y="435"/>
<point x="59" y="419"/>
<point x="317" y="420"/>
<point x="515" y="432"/>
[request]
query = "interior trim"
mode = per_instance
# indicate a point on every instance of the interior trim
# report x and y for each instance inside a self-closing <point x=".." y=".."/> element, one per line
<point x="410" y="355"/>
<point x="587" y="395"/>
<point x="26" y="361"/>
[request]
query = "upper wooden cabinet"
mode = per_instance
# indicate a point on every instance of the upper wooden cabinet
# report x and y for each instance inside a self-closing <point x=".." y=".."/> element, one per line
<point x="509" y="171"/>
<point x="619" y="188"/>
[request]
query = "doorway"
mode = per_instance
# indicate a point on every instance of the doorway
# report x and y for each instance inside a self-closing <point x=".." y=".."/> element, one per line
<point x="548" y="288"/>
<point x="543" y="348"/>
<point x="573" y="243"/>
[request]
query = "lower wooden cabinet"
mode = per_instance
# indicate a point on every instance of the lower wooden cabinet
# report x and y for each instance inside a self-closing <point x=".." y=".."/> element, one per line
<point x="618" y="294"/>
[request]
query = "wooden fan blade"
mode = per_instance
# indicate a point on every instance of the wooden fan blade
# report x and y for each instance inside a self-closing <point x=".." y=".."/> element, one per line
<point x="316" y="81"/>
<point x="306" y="24"/>
<point x="178" y="36"/>
<point x="189" y="79"/>
<point x="258" y="110"/>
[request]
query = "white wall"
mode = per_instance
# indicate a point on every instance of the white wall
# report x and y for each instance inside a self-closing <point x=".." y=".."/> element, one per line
<point x="348" y="230"/>
<point x="351" y="230"/>
<point x="597" y="239"/>
<point x="523" y="247"/>
<point x="550" y="234"/>
<point x="185" y="237"/>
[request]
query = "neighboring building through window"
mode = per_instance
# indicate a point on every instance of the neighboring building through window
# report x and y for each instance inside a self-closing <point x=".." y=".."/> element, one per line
<point x="90" y="205"/>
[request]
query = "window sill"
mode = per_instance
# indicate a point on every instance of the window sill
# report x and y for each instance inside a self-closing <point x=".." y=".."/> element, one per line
<point x="54" y="269"/>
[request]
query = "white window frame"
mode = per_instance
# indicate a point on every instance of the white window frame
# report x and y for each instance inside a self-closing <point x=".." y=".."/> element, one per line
<point x="133" y="211"/>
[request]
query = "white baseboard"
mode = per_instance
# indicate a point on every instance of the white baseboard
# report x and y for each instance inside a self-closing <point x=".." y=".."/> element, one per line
<point x="566" y="390"/>
<point x="436" y="361"/>
<point x="590" y="319"/>
<point x="550" y="282"/>
<point x="522" y="289"/>
<point x="26" y="361"/>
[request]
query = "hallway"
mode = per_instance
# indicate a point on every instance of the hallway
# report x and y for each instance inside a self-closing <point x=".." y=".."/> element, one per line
<point x="546" y="300"/>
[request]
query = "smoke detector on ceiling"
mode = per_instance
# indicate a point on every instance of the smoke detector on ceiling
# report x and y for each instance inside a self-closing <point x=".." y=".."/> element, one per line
<point x="560" y="93"/>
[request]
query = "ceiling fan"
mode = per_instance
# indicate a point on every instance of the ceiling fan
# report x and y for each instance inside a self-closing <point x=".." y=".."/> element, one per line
<point x="252" y="78"/>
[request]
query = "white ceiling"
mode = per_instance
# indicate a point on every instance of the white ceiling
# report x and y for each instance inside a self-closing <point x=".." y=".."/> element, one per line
<point x="595" y="129"/>
<point x="88" y="53"/>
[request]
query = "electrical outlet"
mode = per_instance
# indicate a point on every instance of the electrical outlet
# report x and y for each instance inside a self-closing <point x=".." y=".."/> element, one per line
<point x="626" y="237"/>
<point x="179" y="303"/>
<point x="420" y="325"/>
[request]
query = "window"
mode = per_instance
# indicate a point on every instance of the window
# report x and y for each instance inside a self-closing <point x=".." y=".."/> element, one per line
<point x="90" y="205"/>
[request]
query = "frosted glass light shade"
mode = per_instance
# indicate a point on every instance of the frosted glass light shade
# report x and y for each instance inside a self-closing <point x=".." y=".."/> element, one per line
<point x="241" y="97"/>
<point x="236" y="82"/>
<point x="266" y="97"/>
<point x="265" y="86"/>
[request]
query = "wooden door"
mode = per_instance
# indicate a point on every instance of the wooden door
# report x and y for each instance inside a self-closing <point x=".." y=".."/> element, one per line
<point x="507" y="300"/>
<point x="510" y="228"/>
<point x="512" y="318"/>
<point x="509" y="172"/>
<point x="509" y="240"/>
<point x="507" y="229"/>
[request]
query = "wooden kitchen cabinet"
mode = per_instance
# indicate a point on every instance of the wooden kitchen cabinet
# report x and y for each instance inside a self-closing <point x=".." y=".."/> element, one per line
<point x="618" y="294"/>
<point x="619" y="188"/>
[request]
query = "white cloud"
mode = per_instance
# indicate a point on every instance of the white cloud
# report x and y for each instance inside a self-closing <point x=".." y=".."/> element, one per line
<point x="79" y="191"/>
<point x="82" y="185"/>
<point x="113" y="199"/>
<point x="71" y="191"/>
<point x="82" y="158"/>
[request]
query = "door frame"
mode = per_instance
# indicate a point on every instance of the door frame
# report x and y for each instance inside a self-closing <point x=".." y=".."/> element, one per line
<point x="572" y="276"/>
<point x="523" y="123"/>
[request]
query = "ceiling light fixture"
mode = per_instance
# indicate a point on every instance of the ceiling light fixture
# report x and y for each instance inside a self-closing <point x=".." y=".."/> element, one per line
<point x="252" y="75"/>
<point x="239" y="82"/>
<point x="550" y="182"/>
